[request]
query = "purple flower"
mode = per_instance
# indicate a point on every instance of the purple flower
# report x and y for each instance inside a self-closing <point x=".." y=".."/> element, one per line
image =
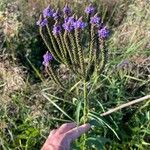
<point x="79" y="24"/>
<point x="70" y="19"/>
<point x="66" y="19"/>
<point x="103" y="33"/>
<point x="56" y="29"/>
<point x="42" y="23"/>
<point x="67" y="26"/>
<point x="90" y="9"/>
<point x="66" y="10"/>
<point x="95" y="20"/>
<point x="69" y="23"/>
<point x="56" y="15"/>
<point x="47" y="12"/>
<point x="47" y="58"/>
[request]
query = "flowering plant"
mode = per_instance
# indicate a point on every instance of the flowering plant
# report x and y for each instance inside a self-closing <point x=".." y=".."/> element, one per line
<point x="65" y="30"/>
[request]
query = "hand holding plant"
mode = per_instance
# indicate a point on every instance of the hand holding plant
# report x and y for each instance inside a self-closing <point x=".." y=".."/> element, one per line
<point x="64" y="35"/>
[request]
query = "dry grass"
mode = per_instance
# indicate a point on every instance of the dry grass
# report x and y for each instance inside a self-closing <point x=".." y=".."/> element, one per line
<point x="135" y="26"/>
<point x="12" y="79"/>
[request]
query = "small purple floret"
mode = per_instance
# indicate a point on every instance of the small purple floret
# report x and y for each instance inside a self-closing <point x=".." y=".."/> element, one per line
<point x="47" y="58"/>
<point x="56" y="29"/>
<point x="66" y="10"/>
<point x="56" y="15"/>
<point x="42" y="23"/>
<point x="67" y="26"/>
<point x="79" y="24"/>
<point x="89" y="10"/>
<point x="47" y="12"/>
<point x="95" y="20"/>
<point x="69" y="23"/>
<point x="103" y="33"/>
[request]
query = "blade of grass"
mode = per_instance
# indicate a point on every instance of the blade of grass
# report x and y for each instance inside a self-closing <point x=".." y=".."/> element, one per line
<point x="57" y="98"/>
<point x="101" y="121"/>
<point x="58" y="107"/>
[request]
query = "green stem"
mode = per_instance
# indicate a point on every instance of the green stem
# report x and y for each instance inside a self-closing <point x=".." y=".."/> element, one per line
<point x="85" y="109"/>
<point x="85" y="102"/>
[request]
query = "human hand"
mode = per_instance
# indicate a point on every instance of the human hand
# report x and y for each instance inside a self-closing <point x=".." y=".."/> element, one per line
<point x="61" y="138"/>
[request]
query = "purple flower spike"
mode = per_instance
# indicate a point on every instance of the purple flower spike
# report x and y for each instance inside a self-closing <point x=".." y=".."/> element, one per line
<point x="89" y="10"/>
<point x="47" y="12"/>
<point x="56" y="29"/>
<point x="42" y="23"/>
<point x="47" y="58"/>
<point x="66" y="10"/>
<point x="103" y="33"/>
<point x="95" y="20"/>
<point x="79" y="24"/>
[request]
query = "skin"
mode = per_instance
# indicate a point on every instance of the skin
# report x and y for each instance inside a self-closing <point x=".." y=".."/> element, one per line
<point x="61" y="138"/>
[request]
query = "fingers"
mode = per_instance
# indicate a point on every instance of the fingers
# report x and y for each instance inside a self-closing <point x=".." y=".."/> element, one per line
<point x="65" y="128"/>
<point x="77" y="132"/>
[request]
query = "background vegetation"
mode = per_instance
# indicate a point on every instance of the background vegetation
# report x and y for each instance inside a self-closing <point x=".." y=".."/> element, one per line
<point x="26" y="116"/>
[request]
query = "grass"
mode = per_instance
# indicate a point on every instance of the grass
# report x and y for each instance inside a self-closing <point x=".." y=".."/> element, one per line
<point x="30" y="108"/>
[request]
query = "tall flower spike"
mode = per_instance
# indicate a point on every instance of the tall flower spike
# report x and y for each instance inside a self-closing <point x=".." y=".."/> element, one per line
<point x="47" y="12"/>
<point x="103" y="33"/>
<point x="47" y="58"/>
<point x="89" y="10"/>
<point x="54" y="43"/>
<point x="79" y="50"/>
<point x="67" y="10"/>
<point x="47" y="43"/>
<point x="95" y="20"/>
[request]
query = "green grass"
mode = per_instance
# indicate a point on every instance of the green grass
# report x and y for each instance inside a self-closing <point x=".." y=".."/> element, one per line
<point x="28" y="113"/>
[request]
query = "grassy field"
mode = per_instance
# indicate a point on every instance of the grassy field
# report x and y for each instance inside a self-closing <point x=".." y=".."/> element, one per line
<point x="31" y="104"/>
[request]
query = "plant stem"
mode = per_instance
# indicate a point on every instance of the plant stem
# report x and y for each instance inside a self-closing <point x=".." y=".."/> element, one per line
<point x="85" y="102"/>
<point x="85" y="109"/>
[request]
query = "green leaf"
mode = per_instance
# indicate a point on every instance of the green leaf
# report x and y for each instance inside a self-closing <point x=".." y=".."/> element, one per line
<point x="93" y="115"/>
